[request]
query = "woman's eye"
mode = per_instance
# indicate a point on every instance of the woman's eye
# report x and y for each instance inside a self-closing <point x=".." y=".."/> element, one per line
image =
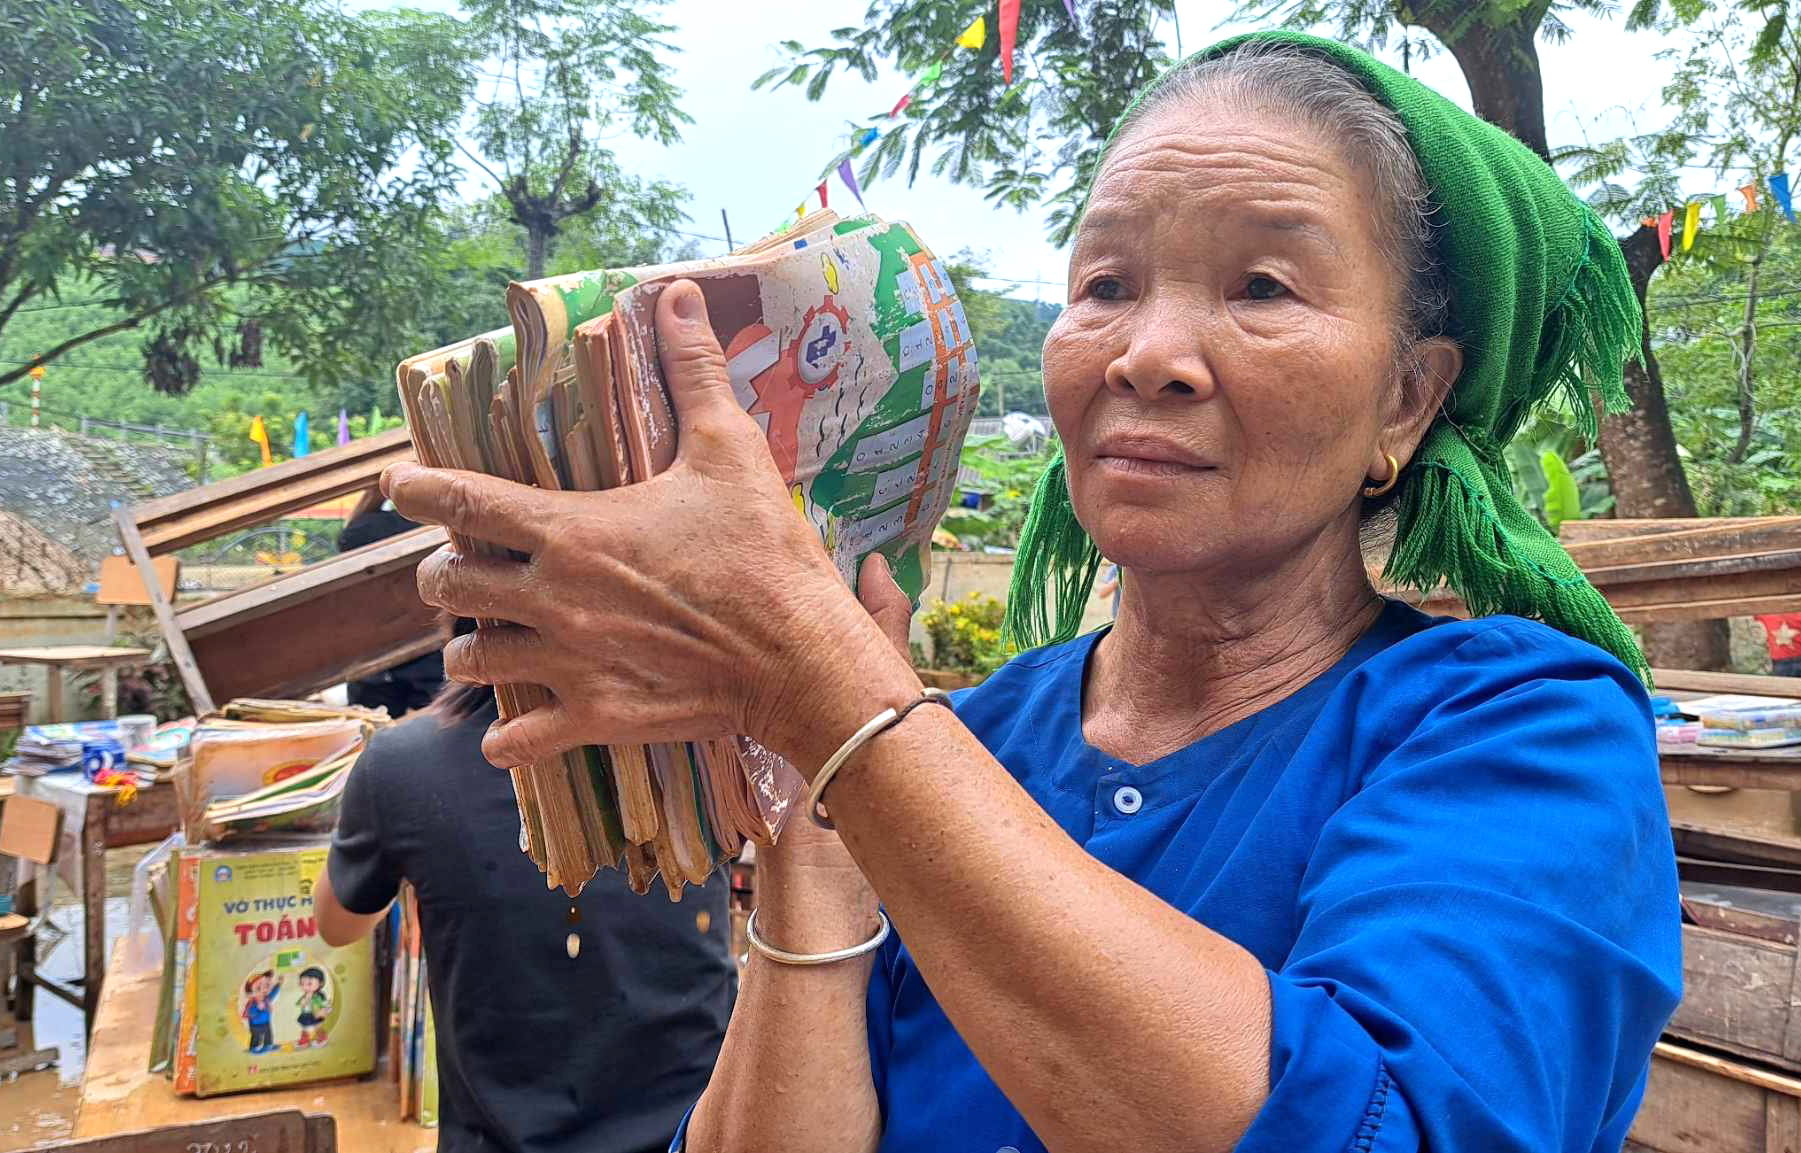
<point x="1106" y="288"/>
<point x="1264" y="288"/>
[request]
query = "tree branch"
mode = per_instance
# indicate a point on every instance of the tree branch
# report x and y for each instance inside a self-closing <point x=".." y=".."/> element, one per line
<point x="129" y="322"/>
<point x="479" y="163"/>
<point x="25" y="293"/>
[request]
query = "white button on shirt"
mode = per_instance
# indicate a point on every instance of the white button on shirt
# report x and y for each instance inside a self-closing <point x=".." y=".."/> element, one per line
<point x="1128" y="800"/>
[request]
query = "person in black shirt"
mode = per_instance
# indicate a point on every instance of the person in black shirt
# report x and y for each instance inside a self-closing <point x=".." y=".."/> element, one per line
<point x="412" y="685"/>
<point x="538" y="1052"/>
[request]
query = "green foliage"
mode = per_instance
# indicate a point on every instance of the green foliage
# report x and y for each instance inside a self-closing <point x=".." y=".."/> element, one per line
<point x="1374" y="21"/>
<point x="1722" y="319"/>
<point x="966" y="634"/>
<point x="569" y="71"/>
<point x="1033" y="143"/>
<point x="1562" y="499"/>
<point x="1008" y="477"/>
<point x="1698" y="307"/>
<point x="222" y="172"/>
<point x="1547" y="450"/>
<point x="1009" y="335"/>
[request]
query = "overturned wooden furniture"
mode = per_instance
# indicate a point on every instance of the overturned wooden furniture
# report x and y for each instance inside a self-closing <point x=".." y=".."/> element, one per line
<point x="1682" y="569"/>
<point x="346" y="617"/>
<point x="1698" y="1102"/>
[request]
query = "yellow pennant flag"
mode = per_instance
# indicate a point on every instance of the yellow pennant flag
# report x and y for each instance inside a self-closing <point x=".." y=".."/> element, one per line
<point x="1691" y="224"/>
<point x="260" y="436"/>
<point x="975" y="35"/>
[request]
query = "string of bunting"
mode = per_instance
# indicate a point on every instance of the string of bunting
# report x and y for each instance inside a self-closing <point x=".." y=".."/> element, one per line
<point x="1665" y="224"/>
<point x="972" y="38"/>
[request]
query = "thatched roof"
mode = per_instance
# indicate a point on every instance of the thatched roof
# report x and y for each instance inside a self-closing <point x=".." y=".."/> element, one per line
<point x="31" y="564"/>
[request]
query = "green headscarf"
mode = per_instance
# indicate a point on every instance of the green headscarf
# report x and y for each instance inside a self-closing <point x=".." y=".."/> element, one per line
<point x="1542" y="306"/>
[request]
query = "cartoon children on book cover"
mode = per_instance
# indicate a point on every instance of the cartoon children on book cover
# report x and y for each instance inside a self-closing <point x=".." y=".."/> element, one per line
<point x="276" y="1006"/>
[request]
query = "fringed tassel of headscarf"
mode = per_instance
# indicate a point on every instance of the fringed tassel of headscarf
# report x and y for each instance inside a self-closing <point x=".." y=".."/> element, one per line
<point x="1591" y="332"/>
<point x="1458" y="521"/>
<point x="1054" y="554"/>
<point x="1447" y="533"/>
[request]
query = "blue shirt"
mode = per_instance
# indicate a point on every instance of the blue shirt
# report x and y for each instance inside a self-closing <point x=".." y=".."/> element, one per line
<point x="1450" y="852"/>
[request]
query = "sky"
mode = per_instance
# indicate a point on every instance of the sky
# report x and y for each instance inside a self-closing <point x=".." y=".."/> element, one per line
<point x="755" y="154"/>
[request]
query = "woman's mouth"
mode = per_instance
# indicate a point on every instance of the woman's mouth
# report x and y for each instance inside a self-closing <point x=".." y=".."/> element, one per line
<point x="1148" y="456"/>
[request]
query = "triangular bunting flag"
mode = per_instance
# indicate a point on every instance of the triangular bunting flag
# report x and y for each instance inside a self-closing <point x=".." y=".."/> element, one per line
<point x="930" y="76"/>
<point x="849" y="175"/>
<point x="868" y="138"/>
<point x="1749" y="192"/>
<point x="975" y="35"/>
<point x="1069" y="6"/>
<point x="259" y="435"/>
<point x="1719" y="210"/>
<point x="1691" y="224"/>
<point x="800" y="211"/>
<point x="1663" y="232"/>
<point x="900" y="105"/>
<point x="1780" y="189"/>
<point x="1009" y="37"/>
<point x="822" y="201"/>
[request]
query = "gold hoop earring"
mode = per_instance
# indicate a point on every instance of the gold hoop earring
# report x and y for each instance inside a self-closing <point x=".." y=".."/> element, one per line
<point x="1372" y="491"/>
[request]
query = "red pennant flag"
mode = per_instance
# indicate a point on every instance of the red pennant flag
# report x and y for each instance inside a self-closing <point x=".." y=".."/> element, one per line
<point x="1749" y="192"/>
<point x="1663" y="232"/>
<point x="822" y="202"/>
<point x="899" y="105"/>
<point x="1009" y="37"/>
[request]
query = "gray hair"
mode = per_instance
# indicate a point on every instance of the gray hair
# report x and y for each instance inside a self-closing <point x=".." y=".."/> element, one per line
<point x="1291" y="82"/>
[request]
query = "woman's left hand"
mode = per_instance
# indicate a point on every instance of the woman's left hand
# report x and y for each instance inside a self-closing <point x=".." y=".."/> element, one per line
<point x="697" y="603"/>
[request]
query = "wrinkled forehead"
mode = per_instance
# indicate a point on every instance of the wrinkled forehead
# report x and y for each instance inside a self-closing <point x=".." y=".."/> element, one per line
<point x="1233" y="158"/>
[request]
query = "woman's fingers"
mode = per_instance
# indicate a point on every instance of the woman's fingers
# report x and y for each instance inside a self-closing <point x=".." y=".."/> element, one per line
<point x="537" y="736"/>
<point x="486" y="587"/>
<point x="484" y="507"/>
<point x="884" y="600"/>
<point x="496" y="656"/>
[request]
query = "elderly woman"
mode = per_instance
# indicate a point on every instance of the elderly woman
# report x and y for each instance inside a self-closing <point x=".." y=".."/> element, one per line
<point x="1271" y="863"/>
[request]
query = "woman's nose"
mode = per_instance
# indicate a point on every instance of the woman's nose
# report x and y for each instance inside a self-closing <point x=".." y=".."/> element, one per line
<point x="1162" y="360"/>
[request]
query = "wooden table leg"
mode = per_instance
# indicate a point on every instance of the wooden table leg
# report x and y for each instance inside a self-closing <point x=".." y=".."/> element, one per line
<point x="93" y="901"/>
<point x="53" y="692"/>
<point x="109" y="692"/>
<point x="25" y="955"/>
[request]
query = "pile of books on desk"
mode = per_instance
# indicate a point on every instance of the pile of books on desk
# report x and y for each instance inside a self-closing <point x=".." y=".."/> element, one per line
<point x="251" y="997"/>
<point x="1764" y="725"/>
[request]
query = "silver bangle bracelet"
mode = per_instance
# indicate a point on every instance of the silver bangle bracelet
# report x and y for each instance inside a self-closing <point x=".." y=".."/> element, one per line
<point x="784" y="957"/>
<point x="878" y="724"/>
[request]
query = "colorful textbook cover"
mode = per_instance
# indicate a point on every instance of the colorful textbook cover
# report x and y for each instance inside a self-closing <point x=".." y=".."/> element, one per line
<point x="271" y="1003"/>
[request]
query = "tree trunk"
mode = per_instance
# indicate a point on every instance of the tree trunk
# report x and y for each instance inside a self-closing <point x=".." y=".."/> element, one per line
<point x="1639" y="449"/>
<point x="1501" y="66"/>
<point x="537" y="244"/>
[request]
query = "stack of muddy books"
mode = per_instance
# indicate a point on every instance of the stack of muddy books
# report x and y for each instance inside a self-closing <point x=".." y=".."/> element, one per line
<point x="847" y="344"/>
